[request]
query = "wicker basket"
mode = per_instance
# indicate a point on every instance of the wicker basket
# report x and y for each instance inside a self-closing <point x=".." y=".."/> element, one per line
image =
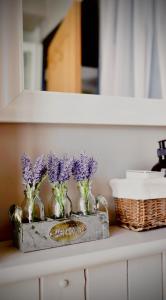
<point x="139" y="215"/>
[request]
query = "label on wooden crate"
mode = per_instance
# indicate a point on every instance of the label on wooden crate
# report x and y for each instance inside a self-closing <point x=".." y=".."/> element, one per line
<point x="55" y="233"/>
<point x="69" y="230"/>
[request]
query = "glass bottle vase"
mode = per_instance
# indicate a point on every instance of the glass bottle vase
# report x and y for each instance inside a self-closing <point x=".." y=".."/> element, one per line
<point x="87" y="203"/>
<point x="33" y="207"/>
<point x="60" y="203"/>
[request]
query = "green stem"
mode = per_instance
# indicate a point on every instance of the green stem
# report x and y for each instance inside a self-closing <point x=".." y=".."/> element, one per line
<point x="31" y="193"/>
<point x="59" y="191"/>
<point x="84" y="189"/>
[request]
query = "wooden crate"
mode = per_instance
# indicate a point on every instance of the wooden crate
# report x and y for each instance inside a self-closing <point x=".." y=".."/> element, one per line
<point x="55" y="233"/>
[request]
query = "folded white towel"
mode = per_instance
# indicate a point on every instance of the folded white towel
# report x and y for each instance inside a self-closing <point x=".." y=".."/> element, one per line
<point x="139" y="188"/>
<point x="144" y="174"/>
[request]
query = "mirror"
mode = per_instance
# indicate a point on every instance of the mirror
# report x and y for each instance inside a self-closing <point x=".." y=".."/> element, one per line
<point x="105" y="47"/>
<point x="18" y="105"/>
<point x="61" y="45"/>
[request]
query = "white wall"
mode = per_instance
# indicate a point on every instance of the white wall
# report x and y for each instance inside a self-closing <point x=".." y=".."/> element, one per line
<point x="45" y="15"/>
<point x="37" y="7"/>
<point x="116" y="149"/>
<point x="10" y="56"/>
<point x="55" y="12"/>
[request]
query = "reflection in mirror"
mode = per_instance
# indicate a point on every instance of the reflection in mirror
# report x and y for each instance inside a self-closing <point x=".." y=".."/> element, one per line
<point x="106" y="47"/>
<point x="61" y="45"/>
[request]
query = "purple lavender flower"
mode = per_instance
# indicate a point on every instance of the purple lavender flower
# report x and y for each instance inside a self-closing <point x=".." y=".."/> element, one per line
<point x="33" y="175"/>
<point x="84" y="167"/>
<point x="59" y="169"/>
<point x="27" y="171"/>
<point x="39" y="169"/>
<point x="92" y="167"/>
<point x="53" y="167"/>
<point x="65" y="169"/>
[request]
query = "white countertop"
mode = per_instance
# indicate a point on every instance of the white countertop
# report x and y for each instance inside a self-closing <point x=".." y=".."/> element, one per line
<point x="123" y="244"/>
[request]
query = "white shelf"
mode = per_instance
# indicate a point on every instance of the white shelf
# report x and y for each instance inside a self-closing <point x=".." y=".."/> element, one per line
<point x="74" y="109"/>
<point x="122" y="245"/>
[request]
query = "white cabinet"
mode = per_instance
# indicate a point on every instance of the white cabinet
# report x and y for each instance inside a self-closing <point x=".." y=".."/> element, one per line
<point x="115" y="269"/>
<point x="141" y="278"/>
<point x="135" y="279"/>
<point x="67" y="286"/>
<point x="23" y="290"/>
<point x="145" y="278"/>
<point x="107" y="282"/>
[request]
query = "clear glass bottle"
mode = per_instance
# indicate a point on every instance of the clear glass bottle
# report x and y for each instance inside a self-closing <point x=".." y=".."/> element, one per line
<point x="60" y="206"/>
<point x="161" y="153"/>
<point x="33" y="207"/>
<point x="87" y="203"/>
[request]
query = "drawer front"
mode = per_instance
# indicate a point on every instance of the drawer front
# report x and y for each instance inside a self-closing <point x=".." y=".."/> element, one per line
<point x="66" y="286"/>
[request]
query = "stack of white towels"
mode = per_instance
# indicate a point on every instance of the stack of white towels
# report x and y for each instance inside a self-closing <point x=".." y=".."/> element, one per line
<point x="140" y="185"/>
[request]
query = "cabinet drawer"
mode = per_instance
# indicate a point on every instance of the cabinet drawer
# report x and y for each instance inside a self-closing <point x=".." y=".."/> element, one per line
<point x="66" y="286"/>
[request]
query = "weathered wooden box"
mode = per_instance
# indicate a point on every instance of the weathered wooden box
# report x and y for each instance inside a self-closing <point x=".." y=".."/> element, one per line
<point x="55" y="233"/>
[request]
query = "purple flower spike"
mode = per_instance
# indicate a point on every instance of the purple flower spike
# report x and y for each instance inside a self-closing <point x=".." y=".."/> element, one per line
<point x="59" y="170"/>
<point x="84" y="167"/>
<point x="92" y="167"/>
<point x="33" y="175"/>
<point x="53" y="167"/>
<point x="66" y="165"/>
<point x="27" y="171"/>
<point x="39" y="169"/>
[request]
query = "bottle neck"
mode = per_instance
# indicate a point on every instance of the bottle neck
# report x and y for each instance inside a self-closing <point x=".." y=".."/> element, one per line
<point x="162" y="158"/>
<point x="162" y="162"/>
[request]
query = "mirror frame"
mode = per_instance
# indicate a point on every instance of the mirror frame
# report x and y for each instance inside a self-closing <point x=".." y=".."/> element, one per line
<point x="20" y="106"/>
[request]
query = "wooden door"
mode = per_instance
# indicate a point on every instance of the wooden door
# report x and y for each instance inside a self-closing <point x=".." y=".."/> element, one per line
<point x="164" y="275"/>
<point x="145" y="278"/>
<point x="64" y="54"/>
<point x="23" y="290"/>
<point x="107" y="282"/>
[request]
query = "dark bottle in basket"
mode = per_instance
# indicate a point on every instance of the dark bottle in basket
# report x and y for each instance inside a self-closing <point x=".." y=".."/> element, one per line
<point x="161" y="153"/>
